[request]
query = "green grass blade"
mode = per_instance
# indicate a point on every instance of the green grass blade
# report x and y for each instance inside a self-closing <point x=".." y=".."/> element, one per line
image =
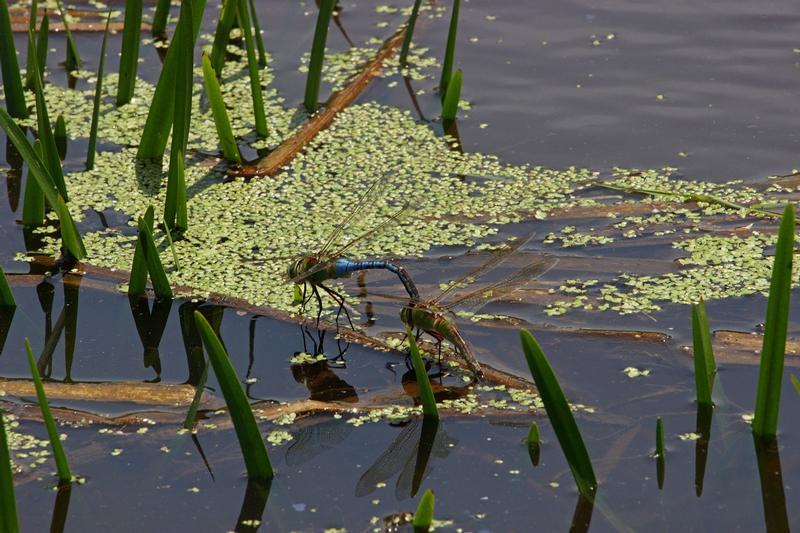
<point x="41" y="46"/>
<point x="773" y="350"/>
<point x="247" y="432"/>
<point x="154" y="267"/>
<point x="6" y="296"/>
<point x="36" y="167"/>
<point x="221" y="120"/>
<point x="73" y="57"/>
<point x="33" y="16"/>
<point x="795" y="382"/>
<point x="60" y="136"/>
<point x="45" y="131"/>
<point x="534" y="441"/>
<point x="412" y="21"/>
<point x="227" y="17"/>
<point x="62" y="467"/>
<point x="129" y="55"/>
<point x="429" y="409"/>
<point x="451" y="99"/>
<point x="159" y="117"/>
<point x="91" y="150"/>
<point x="9" y="523"/>
<point x="262" y="54"/>
<point x="555" y="403"/>
<point x="172" y="248"/>
<point x="160" y="17"/>
<point x="33" y="208"/>
<point x="12" y="83"/>
<point x="191" y="414"/>
<point x="314" y="77"/>
<point x="423" y="518"/>
<point x="704" y="365"/>
<point x="252" y="66"/>
<point x="450" y="50"/>
<point x="138" y="280"/>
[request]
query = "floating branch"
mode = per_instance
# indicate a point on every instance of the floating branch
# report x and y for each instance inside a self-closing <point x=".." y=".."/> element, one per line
<point x="770" y="377"/>
<point x="704" y="366"/>
<point x="6" y="296"/>
<point x="221" y="120"/>
<point x="412" y="21"/>
<point x="451" y="99"/>
<point x="555" y="403"/>
<point x="252" y="66"/>
<point x="9" y="522"/>
<point x="288" y="149"/>
<point x="12" y="83"/>
<point x="429" y="409"/>
<point x="255" y="455"/>
<point x="450" y="50"/>
<point x="62" y="467"/>
<point x="314" y="78"/>
<point x="98" y="93"/>
<point x="129" y="55"/>
<point x="423" y="518"/>
<point x="73" y="57"/>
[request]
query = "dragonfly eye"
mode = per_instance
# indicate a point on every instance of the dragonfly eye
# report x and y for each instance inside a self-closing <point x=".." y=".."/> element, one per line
<point x="294" y="268"/>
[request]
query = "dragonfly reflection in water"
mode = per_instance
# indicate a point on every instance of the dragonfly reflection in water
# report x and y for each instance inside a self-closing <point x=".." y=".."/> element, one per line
<point x="436" y="317"/>
<point x="329" y="263"/>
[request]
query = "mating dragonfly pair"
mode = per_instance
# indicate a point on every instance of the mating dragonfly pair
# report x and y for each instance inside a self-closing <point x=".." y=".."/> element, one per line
<point x="433" y="316"/>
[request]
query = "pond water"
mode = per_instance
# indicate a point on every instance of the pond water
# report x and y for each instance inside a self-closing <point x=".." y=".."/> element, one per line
<point x="709" y="88"/>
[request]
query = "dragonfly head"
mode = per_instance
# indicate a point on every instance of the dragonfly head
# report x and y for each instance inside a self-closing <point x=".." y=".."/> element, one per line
<point x="297" y="267"/>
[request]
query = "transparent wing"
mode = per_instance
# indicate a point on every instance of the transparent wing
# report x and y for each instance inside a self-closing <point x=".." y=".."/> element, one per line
<point x="402" y="212"/>
<point x="392" y="460"/>
<point x="495" y="260"/>
<point x="311" y="441"/>
<point x="480" y="297"/>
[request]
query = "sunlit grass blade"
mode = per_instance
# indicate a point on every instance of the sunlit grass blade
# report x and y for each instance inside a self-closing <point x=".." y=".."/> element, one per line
<point x="660" y="452"/>
<point x="33" y="16"/>
<point x="191" y="414"/>
<point x="33" y="208"/>
<point x="12" y="83"/>
<point x="60" y="136"/>
<point x="796" y="383"/>
<point x="73" y="57"/>
<point x="314" y="78"/>
<point x="6" y="296"/>
<point x="252" y="66"/>
<point x="244" y="422"/>
<point x="62" y="467"/>
<point x="704" y="366"/>
<point x="42" y="41"/>
<point x="773" y="350"/>
<point x="426" y="397"/>
<point x="262" y="54"/>
<point x="534" y="441"/>
<point x="160" y="115"/>
<point x="70" y="236"/>
<point x="91" y="149"/>
<point x="154" y="267"/>
<point x="172" y="248"/>
<point x="138" y="280"/>
<point x="159" y="26"/>
<point x="423" y="518"/>
<point x="227" y="16"/>
<point x="558" y="411"/>
<point x="221" y="120"/>
<point x="9" y="522"/>
<point x="45" y="131"/>
<point x="412" y="21"/>
<point x="451" y="99"/>
<point x="129" y="55"/>
<point x="450" y="50"/>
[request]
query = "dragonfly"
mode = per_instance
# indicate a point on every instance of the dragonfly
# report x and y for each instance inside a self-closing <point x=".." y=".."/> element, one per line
<point x="330" y="262"/>
<point x="436" y="316"/>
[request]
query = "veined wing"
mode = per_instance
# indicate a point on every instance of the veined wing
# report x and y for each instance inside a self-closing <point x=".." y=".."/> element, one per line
<point x="495" y="260"/>
<point x="399" y="453"/>
<point x="480" y="297"/>
<point x="397" y="215"/>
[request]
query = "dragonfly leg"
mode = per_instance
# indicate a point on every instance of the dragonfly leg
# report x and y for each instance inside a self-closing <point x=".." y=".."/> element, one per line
<point x="342" y="307"/>
<point x="319" y="302"/>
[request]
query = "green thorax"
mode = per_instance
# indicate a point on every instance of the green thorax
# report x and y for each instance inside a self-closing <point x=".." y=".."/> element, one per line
<point x="431" y="320"/>
<point x="304" y="265"/>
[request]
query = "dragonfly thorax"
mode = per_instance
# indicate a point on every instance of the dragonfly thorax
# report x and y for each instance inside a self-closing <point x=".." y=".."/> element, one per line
<point x="299" y="270"/>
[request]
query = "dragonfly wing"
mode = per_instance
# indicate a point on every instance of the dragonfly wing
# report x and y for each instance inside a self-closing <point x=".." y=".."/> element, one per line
<point x="392" y="460"/>
<point x="473" y="301"/>
<point x="376" y="230"/>
<point x="313" y="440"/>
<point x="495" y="260"/>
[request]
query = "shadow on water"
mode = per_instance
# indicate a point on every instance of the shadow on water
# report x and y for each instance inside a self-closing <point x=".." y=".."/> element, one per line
<point x="150" y="324"/>
<point x="772" y="488"/>
<point x="61" y="509"/>
<point x="66" y="324"/>
<point x="705" y="413"/>
<point x="255" y="501"/>
<point x="13" y="175"/>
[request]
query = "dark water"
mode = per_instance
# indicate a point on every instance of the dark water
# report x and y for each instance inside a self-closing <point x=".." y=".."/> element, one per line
<point x="728" y="75"/>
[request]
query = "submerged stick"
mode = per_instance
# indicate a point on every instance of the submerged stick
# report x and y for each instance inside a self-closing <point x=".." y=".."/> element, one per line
<point x="288" y="149"/>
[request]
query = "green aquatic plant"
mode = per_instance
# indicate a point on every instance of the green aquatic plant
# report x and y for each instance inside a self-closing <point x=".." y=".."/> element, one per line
<point x="773" y="350"/>
<point x="155" y="269"/>
<point x="129" y="55"/>
<point x="6" y="296"/>
<point x="12" y="83"/>
<point x="221" y="120"/>
<point x="156" y="130"/>
<point x="252" y="66"/>
<point x="42" y="40"/>
<point x="412" y="21"/>
<point x="9" y="521"/>
<point x="73" y="57"/>
<point x="560" y="415"/>
<point x="191" y="413"/>
<point x="255" y="454"/>
<point x="704" y="366"/>
<point x="795" y="382"/>
<point x="159" y="25"/>
<point x="168" y="233"/>
<point x="429" y="409"/>
<point x="451" y="99"/>
<point x="70" y="236"/>
<point x="91" y="149"/>
<point x="60" y="136"/>
<point x="33" y="16"/>
<point x="423" y="517"/>
<point x="227" y="18"/>
<point x="62" y="466"/>
<point x="314" y="78"/>
<point x="449" y="51"/>
<point x="534" y="442"/>
<point x="138" y="279"/>
<point x="262" y="53"/>
<point x="33" y="207"/>
<point x="660" y="458"/>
